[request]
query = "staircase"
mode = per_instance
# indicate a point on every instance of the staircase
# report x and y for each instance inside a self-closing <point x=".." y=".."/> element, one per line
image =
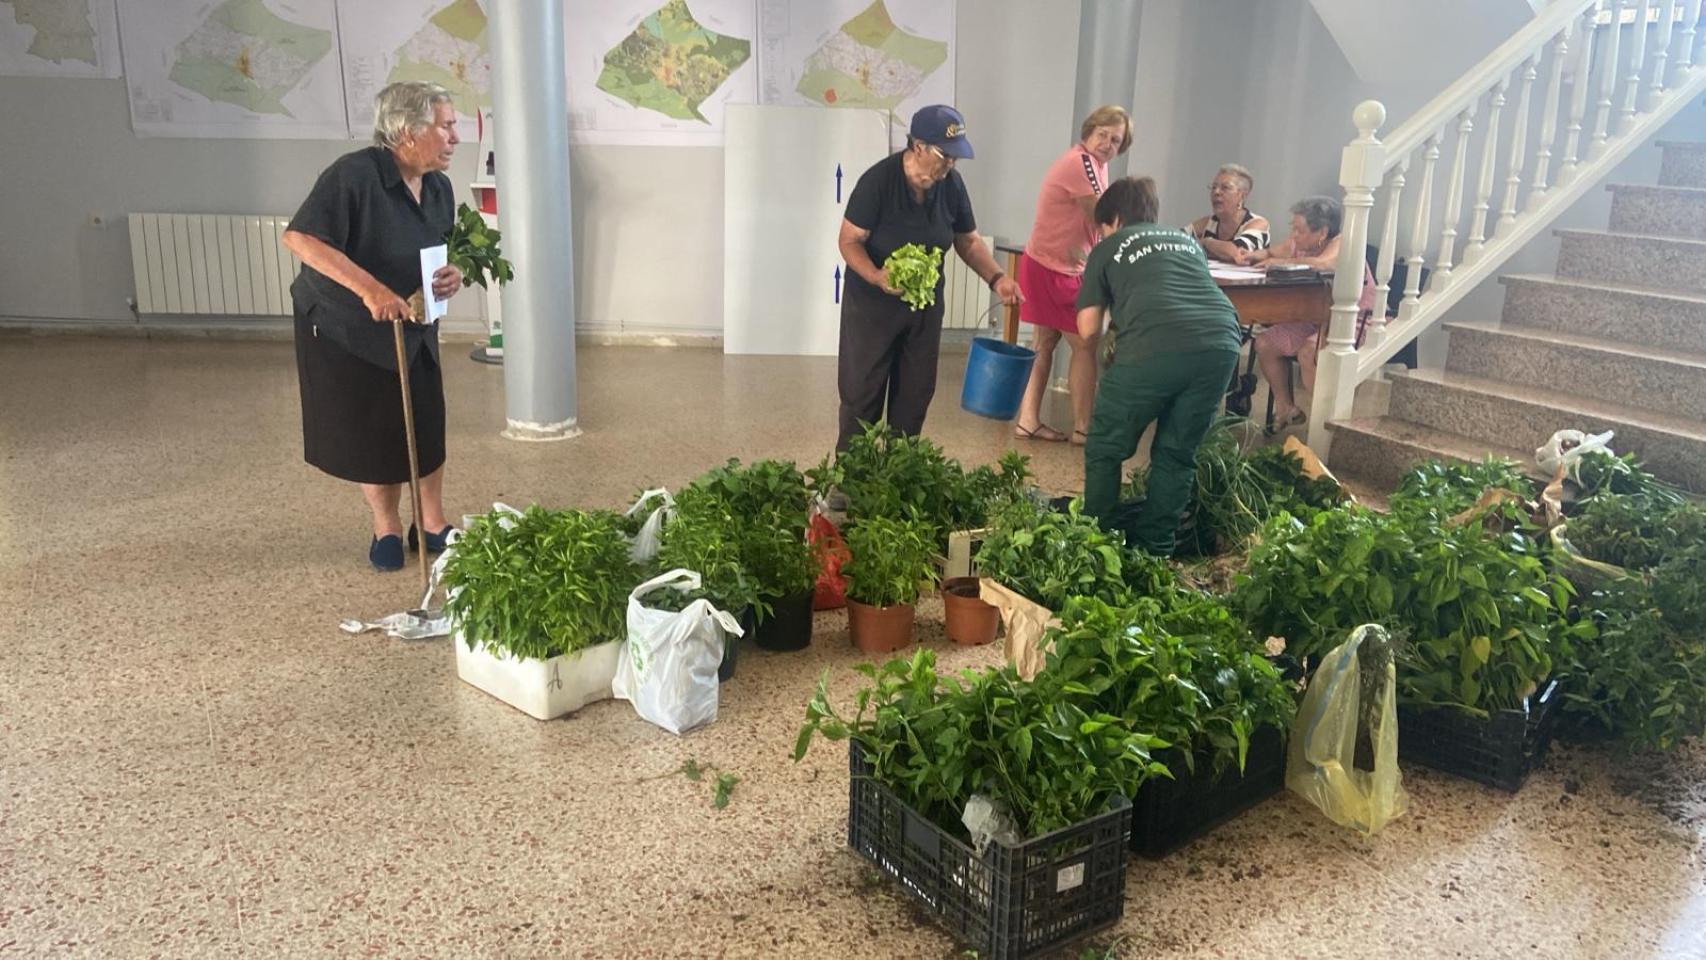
<point x="1615" y="341"/>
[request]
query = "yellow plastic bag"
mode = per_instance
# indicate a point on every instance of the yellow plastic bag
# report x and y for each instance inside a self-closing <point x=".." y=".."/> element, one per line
<point x="1321" y="761"/>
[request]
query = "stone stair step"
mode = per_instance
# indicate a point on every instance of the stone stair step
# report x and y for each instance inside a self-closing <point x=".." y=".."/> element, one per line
<point x="1376" y="452"/>
<point x="1683" y="165"/>
<point x="1665" y="381"/>
<point x="1658" y="263"/>
<point x="1658" y="211"/>
<point x="1500" y="414"/>
<point x="1626" y="314"/>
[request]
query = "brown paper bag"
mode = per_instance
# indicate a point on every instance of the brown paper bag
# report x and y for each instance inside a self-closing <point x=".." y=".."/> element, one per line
<point x="1025" y="621"/>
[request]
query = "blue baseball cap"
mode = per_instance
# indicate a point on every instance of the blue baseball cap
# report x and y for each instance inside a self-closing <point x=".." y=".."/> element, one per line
<point x="942" y="127"/>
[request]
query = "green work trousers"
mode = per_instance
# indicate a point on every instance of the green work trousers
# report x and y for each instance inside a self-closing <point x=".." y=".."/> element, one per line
<point x="1180" y="393"/>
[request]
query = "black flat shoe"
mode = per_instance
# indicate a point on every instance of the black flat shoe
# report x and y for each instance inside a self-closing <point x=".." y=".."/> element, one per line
<point x="386" y="553"/>
<point x="435" y="542"/>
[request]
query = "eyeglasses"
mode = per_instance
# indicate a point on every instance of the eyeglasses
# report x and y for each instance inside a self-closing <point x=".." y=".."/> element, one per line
<point x="940" y="155"/>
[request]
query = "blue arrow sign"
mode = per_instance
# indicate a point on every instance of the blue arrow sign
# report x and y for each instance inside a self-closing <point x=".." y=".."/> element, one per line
<point x="838" y="283"/>
<point x="838" y="183"/>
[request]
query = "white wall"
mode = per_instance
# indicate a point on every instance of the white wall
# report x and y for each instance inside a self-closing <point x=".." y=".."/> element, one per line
<point x="648" y="220"/>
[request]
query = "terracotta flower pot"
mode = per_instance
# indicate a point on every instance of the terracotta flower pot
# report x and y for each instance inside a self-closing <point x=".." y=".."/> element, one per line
<point x="879" y="629"/>
<point x="966" y="618"/>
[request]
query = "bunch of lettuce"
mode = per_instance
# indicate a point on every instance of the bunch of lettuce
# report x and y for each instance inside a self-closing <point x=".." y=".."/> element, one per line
<point x="914" y="270"/>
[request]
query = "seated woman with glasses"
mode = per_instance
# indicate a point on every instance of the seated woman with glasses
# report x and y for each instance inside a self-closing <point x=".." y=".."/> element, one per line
<point x="1231" y="233"/>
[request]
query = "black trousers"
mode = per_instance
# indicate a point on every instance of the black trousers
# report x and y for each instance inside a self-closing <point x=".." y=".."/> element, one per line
<point x="888" y="357"/>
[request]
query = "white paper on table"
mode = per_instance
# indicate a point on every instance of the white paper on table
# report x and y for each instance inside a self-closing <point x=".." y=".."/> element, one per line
<point x="431" y="259"/>
<point x="1231" y="271"/>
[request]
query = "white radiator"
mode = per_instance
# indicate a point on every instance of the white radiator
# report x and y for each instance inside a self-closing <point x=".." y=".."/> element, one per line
<point x="230" y="265"/>
<point x="966" y="299"/>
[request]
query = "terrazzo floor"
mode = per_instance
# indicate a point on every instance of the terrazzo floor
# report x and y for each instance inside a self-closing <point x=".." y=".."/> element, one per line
<point x="194" y="762"/>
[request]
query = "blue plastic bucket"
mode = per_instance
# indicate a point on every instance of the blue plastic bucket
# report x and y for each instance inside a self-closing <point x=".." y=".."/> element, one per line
<point x="996" y="374"/>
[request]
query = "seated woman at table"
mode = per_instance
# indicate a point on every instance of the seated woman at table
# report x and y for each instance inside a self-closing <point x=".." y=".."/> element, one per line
<point x="1313" y="242"/>
<point x="1231" y="232"/>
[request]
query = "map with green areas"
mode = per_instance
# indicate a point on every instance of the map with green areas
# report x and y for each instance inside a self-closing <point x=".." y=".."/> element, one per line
<point x="248" y="56"/>
<point x="671" y="64"/>
<point x="870" y="62"/>
<point x="450" y="50"/>
<point x="63" y="29"/>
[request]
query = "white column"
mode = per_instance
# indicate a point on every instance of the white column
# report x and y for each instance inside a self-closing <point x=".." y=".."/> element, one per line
<point x="530" y="91"/>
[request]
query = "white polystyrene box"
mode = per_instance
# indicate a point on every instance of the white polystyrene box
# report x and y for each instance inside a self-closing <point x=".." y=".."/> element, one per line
<point x="544" y="689"/>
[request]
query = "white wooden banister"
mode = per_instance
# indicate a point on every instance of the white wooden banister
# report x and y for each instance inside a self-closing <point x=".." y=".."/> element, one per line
<point x="1636" y="86"/>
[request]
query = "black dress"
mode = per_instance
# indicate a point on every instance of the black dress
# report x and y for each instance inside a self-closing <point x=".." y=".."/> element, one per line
<point x="352" y="412"/>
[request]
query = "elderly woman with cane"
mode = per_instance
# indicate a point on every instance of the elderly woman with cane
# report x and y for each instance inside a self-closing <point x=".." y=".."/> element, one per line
<point x="359" y="236"/>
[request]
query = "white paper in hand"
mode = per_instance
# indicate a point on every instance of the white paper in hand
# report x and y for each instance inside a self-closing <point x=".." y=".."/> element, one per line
<point x="431" y="259"/>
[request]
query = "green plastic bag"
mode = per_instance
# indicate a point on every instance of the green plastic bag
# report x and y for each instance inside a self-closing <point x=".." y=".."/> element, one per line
<point x="1352" y="700"/>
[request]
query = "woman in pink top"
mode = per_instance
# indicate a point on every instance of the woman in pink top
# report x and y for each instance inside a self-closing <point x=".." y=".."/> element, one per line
<point x="1053" y="266"/>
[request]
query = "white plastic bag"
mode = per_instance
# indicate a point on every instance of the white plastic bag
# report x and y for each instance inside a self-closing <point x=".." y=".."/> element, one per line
<point x="1321" y="760"/>
<point x="644" y="547"/>
<point x="668" y="666"/>
<point x="1566" y="448"/>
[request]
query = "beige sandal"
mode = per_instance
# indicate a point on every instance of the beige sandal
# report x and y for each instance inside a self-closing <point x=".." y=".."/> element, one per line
<point x="1042" y="432"/>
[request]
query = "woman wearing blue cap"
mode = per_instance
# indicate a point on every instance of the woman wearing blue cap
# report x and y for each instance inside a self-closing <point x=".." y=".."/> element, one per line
<point x="888" y="350"/>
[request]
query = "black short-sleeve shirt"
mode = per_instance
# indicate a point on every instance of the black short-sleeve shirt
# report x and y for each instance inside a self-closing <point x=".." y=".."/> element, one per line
<point x="361" y="206"/>
<point x="882" y="203"/>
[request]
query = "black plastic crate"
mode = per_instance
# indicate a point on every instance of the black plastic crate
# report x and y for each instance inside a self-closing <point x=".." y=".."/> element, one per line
<point x="1499" y="751"/>
<point x="1014" y="901"/>
<point x="1167" y="814"/>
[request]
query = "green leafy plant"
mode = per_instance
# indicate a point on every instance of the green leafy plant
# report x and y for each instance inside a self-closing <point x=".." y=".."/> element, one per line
<point x="935" y="741"/>
<point x="474" y="250"/>
<point x="542" y="584"/>
<point x="1598" y="473"/>
<point x="701" y="537"/>
<point x="915" y="270"/>
<point x="1180" y="666"/>
<point x="1641" y="677"/>
<point x="1484" y="615"/>
<point x="1235" y="491"/>
<point x="890" y="559"/>
<point x="765" y="506"/>
<point x="1447" y="488"/>
<point x="1049" y="557"/>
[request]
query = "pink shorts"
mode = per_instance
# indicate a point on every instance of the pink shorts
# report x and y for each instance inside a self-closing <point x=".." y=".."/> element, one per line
<point x="1051" y="299"/>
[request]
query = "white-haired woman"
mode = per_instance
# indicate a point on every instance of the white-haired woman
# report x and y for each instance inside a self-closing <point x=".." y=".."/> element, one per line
<point x="1231" y="232"/>
<point x="359" y="236"/>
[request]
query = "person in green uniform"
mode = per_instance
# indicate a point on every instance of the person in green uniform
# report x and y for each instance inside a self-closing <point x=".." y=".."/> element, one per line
<point x="1175" y="347"/>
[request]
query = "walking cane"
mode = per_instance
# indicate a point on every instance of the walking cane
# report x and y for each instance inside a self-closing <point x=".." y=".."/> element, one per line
<point x="414" y="463"/>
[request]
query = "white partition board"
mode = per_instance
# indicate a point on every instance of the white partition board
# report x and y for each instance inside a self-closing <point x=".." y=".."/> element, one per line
<point x="782" y="209"/>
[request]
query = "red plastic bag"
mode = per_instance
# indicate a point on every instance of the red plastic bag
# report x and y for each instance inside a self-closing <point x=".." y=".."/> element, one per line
<point x="831" y="591"/>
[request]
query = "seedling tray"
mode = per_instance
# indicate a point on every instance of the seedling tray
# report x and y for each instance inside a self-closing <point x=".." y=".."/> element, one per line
<point x="1169" y="813"/>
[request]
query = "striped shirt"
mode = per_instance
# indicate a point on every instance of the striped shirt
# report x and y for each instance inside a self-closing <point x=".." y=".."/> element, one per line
<point x="1252" y="231"/>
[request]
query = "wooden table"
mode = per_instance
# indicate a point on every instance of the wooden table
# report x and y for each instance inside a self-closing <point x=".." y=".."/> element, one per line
<point x="1259" y="301"/>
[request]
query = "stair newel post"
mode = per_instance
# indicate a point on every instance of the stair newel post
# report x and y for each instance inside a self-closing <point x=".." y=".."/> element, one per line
<point x="1637" y="61"/>
<point x="1661" y="51"/>
<point x="1489" y="161"/>
<point x="1549" y="120"/>
<point x="1376" y="333"/>
<point x="1519" y="146"/>
<point x="1581" y="72"/>
<point x="1362" y="167"/>
<point x="1454" y="195"/>
<point x="1419" y="230"/>
<point x="1608" y="78"/>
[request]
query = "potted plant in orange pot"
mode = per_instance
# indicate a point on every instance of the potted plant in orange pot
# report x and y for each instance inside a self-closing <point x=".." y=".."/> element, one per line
<point x="966" y="618"/>
<point x="891" y="560"/>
